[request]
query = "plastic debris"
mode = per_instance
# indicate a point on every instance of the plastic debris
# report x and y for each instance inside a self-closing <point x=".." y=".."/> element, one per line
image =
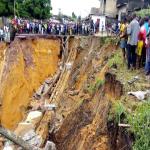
<point x="140" y="95"/>
<point x="133" y="80"/>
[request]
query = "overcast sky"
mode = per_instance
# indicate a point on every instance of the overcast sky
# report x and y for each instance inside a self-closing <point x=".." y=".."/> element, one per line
<point x="80" y="7"/>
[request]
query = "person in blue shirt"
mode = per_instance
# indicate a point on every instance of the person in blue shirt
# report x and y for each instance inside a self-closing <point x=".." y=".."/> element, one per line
<point x="146" y="25"/>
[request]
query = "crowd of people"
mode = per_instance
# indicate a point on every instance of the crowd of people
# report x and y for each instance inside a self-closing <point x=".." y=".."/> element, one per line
<point x="4" y="33"/>
<point x="24" y="26"/>
<point x="134" y="33"/>
<point x="49" y="27"/>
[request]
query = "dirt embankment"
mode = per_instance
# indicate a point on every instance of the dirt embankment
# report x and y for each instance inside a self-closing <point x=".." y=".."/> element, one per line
<point x="84" y="116"/>
<point x="26" y="64"/>
<point x="83" y="92"/>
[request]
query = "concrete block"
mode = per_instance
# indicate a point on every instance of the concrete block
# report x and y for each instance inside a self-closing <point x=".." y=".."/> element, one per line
<point x="34" y="117"/>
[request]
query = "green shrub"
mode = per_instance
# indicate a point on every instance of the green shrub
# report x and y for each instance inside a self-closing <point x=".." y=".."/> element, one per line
<point x="140" y="126"/>
<point x="118" y="110"/>
<point x="99" y="83"/>
<point x="93" y="87"/>
<point x="115" y="60"/>
<point x="143" y="12"/>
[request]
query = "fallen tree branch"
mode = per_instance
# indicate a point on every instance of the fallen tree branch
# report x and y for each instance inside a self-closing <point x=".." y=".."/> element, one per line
<point x="17" y="140"/>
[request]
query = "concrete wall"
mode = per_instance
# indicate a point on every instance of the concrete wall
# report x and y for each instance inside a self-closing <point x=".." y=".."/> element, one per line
<point x="110" y="8"/>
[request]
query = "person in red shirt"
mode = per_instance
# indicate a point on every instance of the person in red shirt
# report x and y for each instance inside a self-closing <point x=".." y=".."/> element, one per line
<point x="141" y="43"/>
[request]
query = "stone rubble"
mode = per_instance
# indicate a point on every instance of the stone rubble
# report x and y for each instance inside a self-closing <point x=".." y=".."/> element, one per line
<point x="50" y="146"/>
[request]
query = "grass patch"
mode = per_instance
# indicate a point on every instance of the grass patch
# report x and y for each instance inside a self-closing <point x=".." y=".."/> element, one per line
<point x="143" y="12"/>
<point x="139" y="120"/>
<point x="117" y="111"/>
<point x="115" y="60"/>
<point x="93" y="87"/>
<point x="140" y="126"/>
<point x="108" y="40"/>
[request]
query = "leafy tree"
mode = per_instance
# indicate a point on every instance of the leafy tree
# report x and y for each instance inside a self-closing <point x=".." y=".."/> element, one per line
<point x="38" y="9"/>
<point x="6" y="7"/>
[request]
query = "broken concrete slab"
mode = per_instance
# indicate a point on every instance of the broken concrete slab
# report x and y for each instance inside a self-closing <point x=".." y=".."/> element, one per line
<point x="34" y="117"/>
<point x="50" y="146"/>
<point x="32" y="138"/>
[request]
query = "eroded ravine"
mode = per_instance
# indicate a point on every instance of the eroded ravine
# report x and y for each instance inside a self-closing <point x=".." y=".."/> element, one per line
<point x="76" y="86"/>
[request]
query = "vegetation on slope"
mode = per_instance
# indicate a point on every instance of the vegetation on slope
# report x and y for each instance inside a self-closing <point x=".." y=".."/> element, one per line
<point x="129" y="110"/>
<point x="140" y="126"/>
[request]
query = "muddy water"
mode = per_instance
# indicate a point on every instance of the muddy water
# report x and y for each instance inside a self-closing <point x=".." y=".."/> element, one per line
<point x="27" y="64"/>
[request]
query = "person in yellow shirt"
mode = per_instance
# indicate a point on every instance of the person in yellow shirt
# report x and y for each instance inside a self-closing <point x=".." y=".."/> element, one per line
<point x="123" y="37"/>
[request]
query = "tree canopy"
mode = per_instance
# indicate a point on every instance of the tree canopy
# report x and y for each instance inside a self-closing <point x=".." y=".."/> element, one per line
<point x="38" y="9"/>
<point x="6" y="7"/>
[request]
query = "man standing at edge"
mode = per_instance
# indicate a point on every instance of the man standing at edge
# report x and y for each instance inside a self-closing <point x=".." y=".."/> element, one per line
<point x="133" y="32"/>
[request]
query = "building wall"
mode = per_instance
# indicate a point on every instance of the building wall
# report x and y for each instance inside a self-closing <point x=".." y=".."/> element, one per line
<point x="121" y="10"/>
<point x="110" y="8"/>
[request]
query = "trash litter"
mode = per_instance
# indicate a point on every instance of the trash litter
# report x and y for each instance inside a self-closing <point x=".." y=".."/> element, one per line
<point x="133" y="80"/>
<point x="140" y="95"/>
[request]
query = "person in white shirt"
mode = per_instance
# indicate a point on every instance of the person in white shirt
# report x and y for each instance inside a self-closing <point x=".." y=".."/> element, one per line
<point x="1" y="34"/>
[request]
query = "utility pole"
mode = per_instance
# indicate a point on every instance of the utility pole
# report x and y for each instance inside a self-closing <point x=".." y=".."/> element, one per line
<point x="14" y="8"/>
